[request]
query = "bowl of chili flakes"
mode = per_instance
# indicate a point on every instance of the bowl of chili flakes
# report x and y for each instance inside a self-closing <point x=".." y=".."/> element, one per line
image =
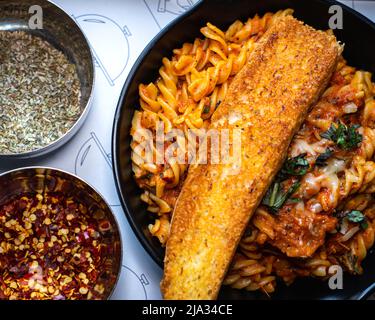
<point x="58" y="238"/>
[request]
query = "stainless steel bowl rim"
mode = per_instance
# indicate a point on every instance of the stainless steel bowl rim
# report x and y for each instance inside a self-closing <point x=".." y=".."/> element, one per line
<point x="101" y="197"/>
<point x="78" y="123"/>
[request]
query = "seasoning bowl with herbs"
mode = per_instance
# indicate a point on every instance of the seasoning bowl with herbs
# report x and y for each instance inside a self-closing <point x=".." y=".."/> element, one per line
<point x="58" y="238"/>
<point x="46" y="80"/>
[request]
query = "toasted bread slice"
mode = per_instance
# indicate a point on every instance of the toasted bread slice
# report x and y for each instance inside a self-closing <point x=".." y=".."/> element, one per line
<point x="270" y="97"/>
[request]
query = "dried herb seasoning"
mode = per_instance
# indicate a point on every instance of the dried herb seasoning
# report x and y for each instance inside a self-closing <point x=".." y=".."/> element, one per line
<point x="39" y="93"/>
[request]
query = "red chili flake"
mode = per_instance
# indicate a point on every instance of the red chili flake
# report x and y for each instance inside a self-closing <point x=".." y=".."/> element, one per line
<point x="47" y="257"/>
<point x="104" y="226"/>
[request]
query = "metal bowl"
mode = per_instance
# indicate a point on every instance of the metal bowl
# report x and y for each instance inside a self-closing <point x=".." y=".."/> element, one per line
<point x="41" y="179"/>
<point x="60" y="30"/>
<point x="359" y="53"/>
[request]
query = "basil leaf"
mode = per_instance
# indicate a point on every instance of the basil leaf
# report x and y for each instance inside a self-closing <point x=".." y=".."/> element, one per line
<point x="346" y="138"/>
<point x="323" y="157"/>
<point x="330" y="134"/>
<point x="276" y="197"/>
<point x="353" y="138"/>
<point x="296" y="166"/>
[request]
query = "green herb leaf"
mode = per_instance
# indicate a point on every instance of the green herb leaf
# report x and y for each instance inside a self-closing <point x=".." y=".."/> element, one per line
<point x="323" y="157"/>
<point x="296" y="166"/>
<point x="276" y="197"/>
<point x="294" y="200"/>
<point x="330" y="134"/>
<point x="364" y="224"/>
<point x="346" y="138"/>
<point x="353" y="138"/>
<point x="356" y="216"/>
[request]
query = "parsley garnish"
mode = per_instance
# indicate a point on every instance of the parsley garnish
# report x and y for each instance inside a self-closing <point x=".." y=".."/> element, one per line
<point x="323" y="157"/>
<point x="296" y="166"/>
<point x="276" y="197"/>
<point x="346" y="138"/>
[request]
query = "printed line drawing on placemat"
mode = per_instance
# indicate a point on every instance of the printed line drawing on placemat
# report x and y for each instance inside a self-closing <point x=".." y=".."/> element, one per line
<point x="137" y="283"/>
<point x="94" y="164"/>
<point x="109" y="44"/>
<point x="165" y="10"/>
<point x="175" y="7"/>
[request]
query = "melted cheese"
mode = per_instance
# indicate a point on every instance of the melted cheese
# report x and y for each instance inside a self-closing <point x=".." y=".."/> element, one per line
<point x="328" y="178"/>
<point x="301" y="146"/>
